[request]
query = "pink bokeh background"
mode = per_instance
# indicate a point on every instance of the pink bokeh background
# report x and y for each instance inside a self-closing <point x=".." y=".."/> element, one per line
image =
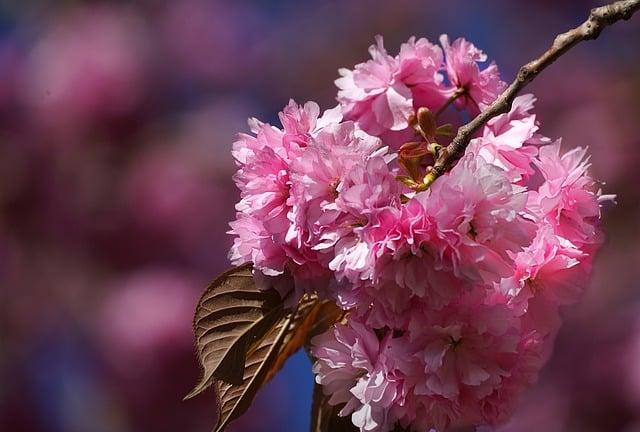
<point x="116" y="123"/>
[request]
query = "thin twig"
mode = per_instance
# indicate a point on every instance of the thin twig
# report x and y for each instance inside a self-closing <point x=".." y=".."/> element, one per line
<point x="599" y="18"/>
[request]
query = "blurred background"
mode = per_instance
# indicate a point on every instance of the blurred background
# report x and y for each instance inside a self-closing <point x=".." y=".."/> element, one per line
<point x="116" y="122"/>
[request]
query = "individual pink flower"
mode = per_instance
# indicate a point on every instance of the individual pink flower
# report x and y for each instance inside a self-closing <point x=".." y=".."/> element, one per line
<point x="263" y="180"/>
<point x="568" y="198"/>
<point x="320" y="170"/>
<point x="369" y="190"/>
<point x="497" y="407"/>
<point x="299" y="123"/>
<point x="263" y="177"/>
<point x="372" y="95"/>
<point x="364" y="372"/>
<point x="253" y="243"/>
<point x="420" y="69"/>
<point x="478" y="88"/>
<point x="322" y="207"/>
<point x="398" y="271"/>
<point x="392" y="230"/>
<point x="551" y="267"/>
<point x="479" y="218"/>
<point x="382" y="93"/>
<point x="476" y="361"/>
<point x="369" y="187"/>
<point x="510" y="140"/>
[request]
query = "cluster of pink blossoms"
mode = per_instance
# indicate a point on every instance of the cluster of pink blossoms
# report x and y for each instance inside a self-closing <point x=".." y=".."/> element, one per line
<point x="453" y="289"/>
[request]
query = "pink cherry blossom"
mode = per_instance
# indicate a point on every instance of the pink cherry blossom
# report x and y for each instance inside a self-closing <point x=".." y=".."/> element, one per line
<point x="263" y="177"/>
<point x="397" y="272"/>
<point x="510" y="141"/>
<point x="253" y="243"/>
<point x="369" y="191"/>
<point x="317" y="177"/>
<point x="337" y="180"/>
<point x="472" y="356"/>
<point x="383" y="92"/>
<point x="421" y="63"/>
<point x="478" y="87"/>
<point x="452" y="289"/>
<point x="372" y="95"/>
<point x="465" y="364"/>
<point x="365" y="373"/>
<point x="551" y="267"/>
<point x="568" y="199"/>
<point x="479" y="218"/>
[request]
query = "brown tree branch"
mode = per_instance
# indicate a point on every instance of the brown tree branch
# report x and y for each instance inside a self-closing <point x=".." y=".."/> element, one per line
<point x="599" y="18"/>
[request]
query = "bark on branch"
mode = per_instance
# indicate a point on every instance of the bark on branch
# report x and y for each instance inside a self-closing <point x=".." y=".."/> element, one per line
<point x="599" y="18"/>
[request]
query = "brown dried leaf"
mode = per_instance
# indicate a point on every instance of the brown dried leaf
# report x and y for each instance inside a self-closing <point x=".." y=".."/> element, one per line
<point x="234" y="400"/>
<point x="244" y="336"/>
<point x="328" y="315"/>
<point x="296" y="334"/>
<point x="312" y="318"/>
<point x="268" y="356"/>
<point x="231" y="317"/>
